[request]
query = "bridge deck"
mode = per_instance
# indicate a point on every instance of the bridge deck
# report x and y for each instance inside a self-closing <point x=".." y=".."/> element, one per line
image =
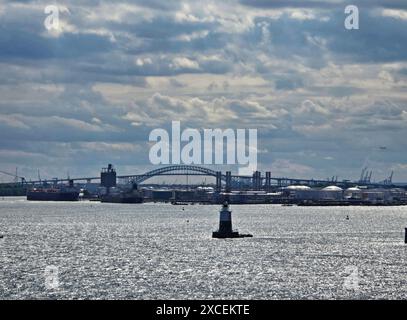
<point x="191" y="170"/>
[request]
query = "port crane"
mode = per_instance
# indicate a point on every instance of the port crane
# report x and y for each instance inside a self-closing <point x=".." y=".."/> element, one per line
<point x="366" y="176"/>
<point x="389" y="180"/>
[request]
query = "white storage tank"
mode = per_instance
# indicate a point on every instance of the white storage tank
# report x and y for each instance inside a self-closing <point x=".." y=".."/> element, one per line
<point x="300" y="192"/>
<point x="332" y="193"/>
<point x="353" y="193"/>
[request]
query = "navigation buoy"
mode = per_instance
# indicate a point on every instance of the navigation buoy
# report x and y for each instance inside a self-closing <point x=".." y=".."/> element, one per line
<point x="405" y="235"/>
<point x="225" y="225"/>
<point x="347" y="217"/>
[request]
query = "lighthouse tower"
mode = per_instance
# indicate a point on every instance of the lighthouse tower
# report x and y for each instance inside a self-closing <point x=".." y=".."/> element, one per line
<point x="225" y="220"/>
<point x="225" y="225"/>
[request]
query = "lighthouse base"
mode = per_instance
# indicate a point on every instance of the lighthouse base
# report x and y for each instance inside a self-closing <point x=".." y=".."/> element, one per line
<point x="233" y="234"/>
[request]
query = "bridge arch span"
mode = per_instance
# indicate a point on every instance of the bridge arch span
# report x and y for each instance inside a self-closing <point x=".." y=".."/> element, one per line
<point x="182" y="169"/>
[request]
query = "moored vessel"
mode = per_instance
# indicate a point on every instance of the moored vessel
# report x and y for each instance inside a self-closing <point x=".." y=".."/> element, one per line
<point x="52" y="194"/>
<point x="115" y="195"/>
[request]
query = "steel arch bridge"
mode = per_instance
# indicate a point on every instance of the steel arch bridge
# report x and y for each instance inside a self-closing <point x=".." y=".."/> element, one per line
<point x="194" y="170"/>
<point x="173" y="170"/>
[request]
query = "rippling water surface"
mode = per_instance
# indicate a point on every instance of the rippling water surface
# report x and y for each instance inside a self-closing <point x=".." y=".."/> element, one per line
<point x="159" y="251"/>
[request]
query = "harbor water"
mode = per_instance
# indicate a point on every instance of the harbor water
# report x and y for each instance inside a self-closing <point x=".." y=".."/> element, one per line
<point x="91" y="250"/>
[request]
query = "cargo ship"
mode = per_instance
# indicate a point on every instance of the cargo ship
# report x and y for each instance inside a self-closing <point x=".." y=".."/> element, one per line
<point x="52" y="194"/>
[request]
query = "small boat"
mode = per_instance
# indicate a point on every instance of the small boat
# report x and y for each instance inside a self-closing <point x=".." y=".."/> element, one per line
<point x="178" y="203"/>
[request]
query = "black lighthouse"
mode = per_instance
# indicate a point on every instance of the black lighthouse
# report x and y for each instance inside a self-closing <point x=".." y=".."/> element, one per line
<point x="225" y="225"/>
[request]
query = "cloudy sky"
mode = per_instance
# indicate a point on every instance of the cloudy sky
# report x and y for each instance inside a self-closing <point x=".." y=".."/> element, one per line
<point x="325" y="100"/>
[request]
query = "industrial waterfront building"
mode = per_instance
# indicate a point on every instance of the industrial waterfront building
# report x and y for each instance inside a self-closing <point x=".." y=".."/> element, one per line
<point x="331" y="195"/>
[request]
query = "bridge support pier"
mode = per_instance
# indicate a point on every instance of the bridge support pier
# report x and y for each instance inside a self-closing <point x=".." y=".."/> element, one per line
<point x="218" y="181"/>
<point x="228" y="181"/>
<point x="256" y="180"/>
<point x="267" y="184"/>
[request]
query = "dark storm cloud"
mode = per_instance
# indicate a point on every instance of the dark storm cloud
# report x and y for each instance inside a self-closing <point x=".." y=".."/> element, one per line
<point x="17" y="44"/>
<point x="92" y="92"/>
<point x="379" y="39"/>
<point x="22" y="36"/>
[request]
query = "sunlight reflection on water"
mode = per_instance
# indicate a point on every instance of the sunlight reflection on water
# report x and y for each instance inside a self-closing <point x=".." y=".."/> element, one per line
<point x="150" y="251"/>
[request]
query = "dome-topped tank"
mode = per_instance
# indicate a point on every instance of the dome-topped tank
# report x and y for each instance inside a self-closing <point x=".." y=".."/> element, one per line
<point x="293" y="188"/>
<point x="353" y="193"/>
<point x="353" y="189"/>
<point x="332" y="188"/>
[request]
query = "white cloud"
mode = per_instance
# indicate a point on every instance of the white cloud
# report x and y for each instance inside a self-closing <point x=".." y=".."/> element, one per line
<point x="143" y="61"/>
<point x="302" y="15"/>
<point x="184" y="63"/>
<point x="398" y="14"/>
